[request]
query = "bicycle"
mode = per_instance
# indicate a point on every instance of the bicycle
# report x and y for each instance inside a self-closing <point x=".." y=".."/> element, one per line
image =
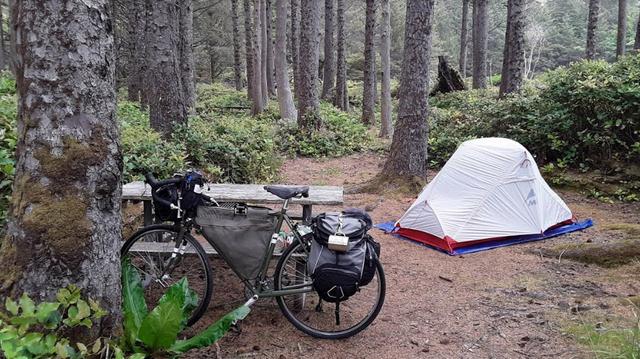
<point x="164" y="253"/>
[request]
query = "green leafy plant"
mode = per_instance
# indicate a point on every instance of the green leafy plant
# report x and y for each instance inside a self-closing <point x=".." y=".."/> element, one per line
<point x="30" y="330"/>
<point x="157" y="331"/>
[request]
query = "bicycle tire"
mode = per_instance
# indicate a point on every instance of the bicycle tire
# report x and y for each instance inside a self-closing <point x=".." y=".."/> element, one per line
<point x="200" y="253"/>
<point x="319" y="333"/>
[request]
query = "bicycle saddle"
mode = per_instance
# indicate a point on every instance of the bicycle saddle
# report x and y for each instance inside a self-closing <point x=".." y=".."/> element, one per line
<point x="288" y="192"/>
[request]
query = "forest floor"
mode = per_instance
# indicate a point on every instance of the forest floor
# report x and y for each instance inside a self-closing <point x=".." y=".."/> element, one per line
<point x="508" y="302"/>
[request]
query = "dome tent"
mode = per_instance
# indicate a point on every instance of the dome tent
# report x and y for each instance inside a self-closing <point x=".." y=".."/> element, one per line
<point x="489" y="191"/>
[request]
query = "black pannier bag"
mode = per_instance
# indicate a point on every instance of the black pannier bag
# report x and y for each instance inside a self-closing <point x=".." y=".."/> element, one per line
<point x="241" y="235"/>
<point x="337" y="275"/>
<point x="162" y="212"/>
<point x="191" y="189"/>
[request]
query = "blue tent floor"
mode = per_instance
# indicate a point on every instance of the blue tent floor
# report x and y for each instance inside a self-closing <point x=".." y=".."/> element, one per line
<point x="389" y="227"/>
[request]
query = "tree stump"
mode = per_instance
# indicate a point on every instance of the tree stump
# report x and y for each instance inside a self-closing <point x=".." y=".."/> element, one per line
<point x="449" y="79"/>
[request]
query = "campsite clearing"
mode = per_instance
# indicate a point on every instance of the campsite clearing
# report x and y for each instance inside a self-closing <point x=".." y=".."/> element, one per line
<point x="511" y="302"/>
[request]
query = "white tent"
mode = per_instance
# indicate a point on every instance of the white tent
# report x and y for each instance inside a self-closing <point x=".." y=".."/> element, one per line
<point x="489" y="189"/>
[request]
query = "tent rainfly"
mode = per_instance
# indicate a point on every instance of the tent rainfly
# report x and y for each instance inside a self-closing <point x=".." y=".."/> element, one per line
<point x="489" y="190"/>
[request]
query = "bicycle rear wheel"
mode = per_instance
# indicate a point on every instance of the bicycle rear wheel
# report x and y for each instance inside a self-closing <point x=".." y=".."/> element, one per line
<point x="150" y="251"/>
<point x="318" y="318"/>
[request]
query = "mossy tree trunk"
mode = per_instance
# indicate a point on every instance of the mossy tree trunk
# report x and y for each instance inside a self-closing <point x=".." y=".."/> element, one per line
<point x="309" y="102"/>
<point x="592" y="27"/>
<point x="636" y="44"/>
<point x="480" y="32"/>
<point x="257" y="98"/>
<point x="285" y="99"/>
<point x="368" y="85"/>
<point x="271" y="69"/>
<point x="167" y="103"/>
<point x="329" y="68"/>
<point x="408" y="155"/>
<point x="341" y="99"/>
<point x="137" y="60"/>
<point x="263" y="51"/>
<point x="64" y="224"/>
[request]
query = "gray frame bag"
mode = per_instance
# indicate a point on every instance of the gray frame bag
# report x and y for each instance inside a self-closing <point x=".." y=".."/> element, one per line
<point x="240" y="235"/>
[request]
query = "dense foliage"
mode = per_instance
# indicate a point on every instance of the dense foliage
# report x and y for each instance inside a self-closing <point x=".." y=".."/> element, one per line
<point x="582" y="116"/>
<point x="7" y="139"/>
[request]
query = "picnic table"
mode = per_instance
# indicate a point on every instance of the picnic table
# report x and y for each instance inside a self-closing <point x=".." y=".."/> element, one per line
<point x="244" y="193"/>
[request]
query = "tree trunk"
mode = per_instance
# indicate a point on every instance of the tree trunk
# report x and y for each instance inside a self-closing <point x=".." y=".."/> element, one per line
<point x="137" y="60"/>
<point x="3" y="59"/>
<point x="480" y="36"/>
<point x="592" y="26"/>
<point x="64" y="224"/>
<point x="308" y="103"/>
<point x="385" y="57"/>
<point x="408" y="153"/>
<point x="237" y="61"/>
<point x="368" y="86"/>
<point x="341" y="99"/>
<point x="295" y="43"/>
<point x="621" y="39"/>
<point x="248" y="46"/>
<point x="636" y="44"/>
<point x="257" y="98"/>
<point x="263" y="51"/>
<point x="167" y="103"/>
<point x="185" y="48"/>
<point x="271" y="82"/>
<point x="285" y="99"/>
<point x="12" y="38"/>
<point x="513" y="62"/>
<point x="329" y="63"/>
<point x="464" y="37"/>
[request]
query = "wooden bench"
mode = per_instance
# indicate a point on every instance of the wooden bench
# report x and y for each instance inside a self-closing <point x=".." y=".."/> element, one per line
<point x="245" y="193"/>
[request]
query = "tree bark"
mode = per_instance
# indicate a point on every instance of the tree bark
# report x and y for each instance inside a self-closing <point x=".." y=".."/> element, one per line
<point x="308" y="102"/>
<point x="167" y="103"/>
<point x="341" y="99"/>
<point x="408" y="153"/>
<point x="385" y="57"/>
<point x="237" y="60"/>
<point x="185" y="48"/>
<point x="464" y="37"/>
<point x="368" y="86"/>
<point x="248" y="45"/>
<point x="263" y="51"/>
<point x="449" y="79"/>
<point x="592" y="26"/>
<point x="621" y="39"/>
<point x="3" y="58"/>
<point x="137" y="60"/>
<point x="329" y="68"/>
<point x="258" y="102"/>
<point x="64" y="223"/>
<point x="480" y="36"/>
<point x="295" y="43"/>
<point x="513" y="62"/>
<point x="12" y="38"/>
<point x="271" y="82"/>
<point x="285" y="99"/>
<point x="636" y="44"/>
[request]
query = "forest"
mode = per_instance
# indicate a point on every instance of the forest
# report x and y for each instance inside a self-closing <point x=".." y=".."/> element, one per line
<point x="372" y="96"/>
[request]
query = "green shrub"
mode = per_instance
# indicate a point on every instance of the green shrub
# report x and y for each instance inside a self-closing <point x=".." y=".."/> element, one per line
<point x="342" y="134"/>
<point x="586" y="115"/>
<point x="234" y="149"/>
<point x="8" y="140"/>
<point x="144" y="150"/>
<point x="218" y="97"/>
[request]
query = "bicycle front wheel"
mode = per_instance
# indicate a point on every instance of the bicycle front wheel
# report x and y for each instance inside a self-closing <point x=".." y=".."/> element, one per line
<point x="161" y="262"/>
<point x="318" y="318"/>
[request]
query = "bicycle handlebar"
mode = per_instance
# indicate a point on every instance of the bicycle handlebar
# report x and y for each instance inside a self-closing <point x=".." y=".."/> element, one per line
<point x="155" y="185"/>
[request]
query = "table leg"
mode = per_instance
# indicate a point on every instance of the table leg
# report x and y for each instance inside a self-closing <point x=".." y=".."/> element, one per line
<point x="148" y="215"/>
<point x="306" y="213"/>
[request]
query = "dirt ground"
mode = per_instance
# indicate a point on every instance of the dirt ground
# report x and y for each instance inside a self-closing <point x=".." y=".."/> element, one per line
<point x="510" y="302"/>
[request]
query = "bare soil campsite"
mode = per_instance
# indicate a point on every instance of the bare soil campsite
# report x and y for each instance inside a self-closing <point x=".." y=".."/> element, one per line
<point x="525" y="301"/>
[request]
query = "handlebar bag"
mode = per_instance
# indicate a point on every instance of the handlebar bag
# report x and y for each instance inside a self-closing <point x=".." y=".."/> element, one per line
<point x="240" y="235"/>
<point x="162" y="211"/>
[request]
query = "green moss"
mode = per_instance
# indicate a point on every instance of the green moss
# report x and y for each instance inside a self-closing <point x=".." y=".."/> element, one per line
<point x="602" y="254"/>
<point x="71" y="165"/>
<point x="632" y="230"/>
